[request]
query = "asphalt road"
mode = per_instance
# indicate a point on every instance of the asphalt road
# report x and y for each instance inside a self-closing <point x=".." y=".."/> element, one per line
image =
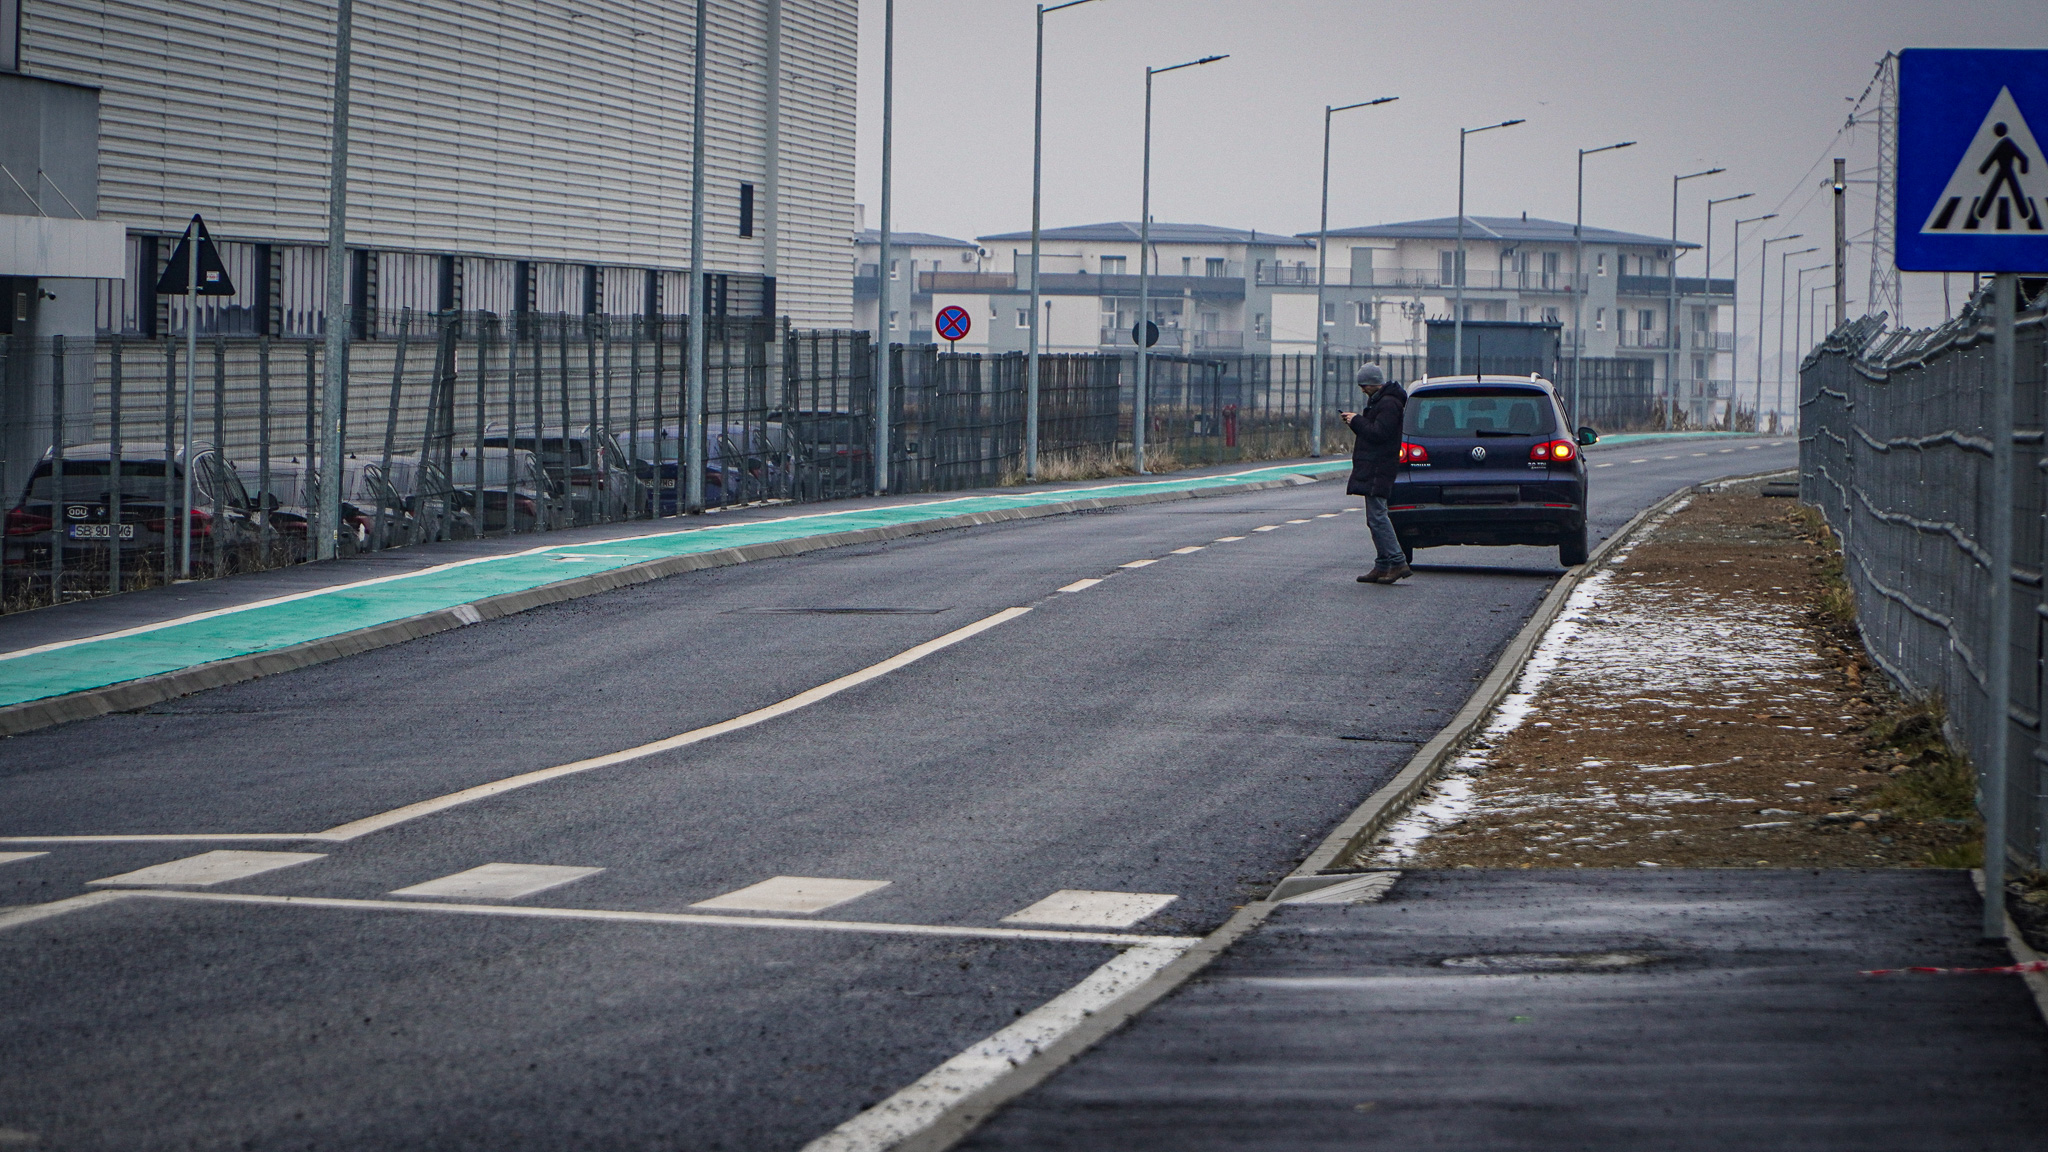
<point x="1184" y="729"/>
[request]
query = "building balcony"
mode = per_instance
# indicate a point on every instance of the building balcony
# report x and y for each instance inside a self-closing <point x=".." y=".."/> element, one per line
<point x="928" y="282"/>
<point x="1660" y="286"/>
<point x="1641" y="339"/>
<point x="1475" y="278"/>
<point x="1219" y="340"/>
<point x="1714" y="341"/>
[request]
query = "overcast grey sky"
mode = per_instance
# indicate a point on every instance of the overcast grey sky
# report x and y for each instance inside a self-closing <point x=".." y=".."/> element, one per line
<point x="1761" y="89"/>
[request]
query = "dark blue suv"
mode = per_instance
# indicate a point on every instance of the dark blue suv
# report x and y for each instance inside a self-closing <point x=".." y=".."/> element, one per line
<point x="1490" y="460"/>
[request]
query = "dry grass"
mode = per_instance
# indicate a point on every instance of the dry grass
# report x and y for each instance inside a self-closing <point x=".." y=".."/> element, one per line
<point x="1094" y="464"/>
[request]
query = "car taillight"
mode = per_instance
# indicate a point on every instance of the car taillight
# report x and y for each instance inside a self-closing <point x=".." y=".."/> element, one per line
<point x="526" y="507"/>
<point x="22" y="522"/>
<point x="1554" y="452"/>
<point x="202" y="524"/>
<point x="1414" y="454"/>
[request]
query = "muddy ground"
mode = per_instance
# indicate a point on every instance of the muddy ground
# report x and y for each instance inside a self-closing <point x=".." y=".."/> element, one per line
<point x="1704" y="705"/>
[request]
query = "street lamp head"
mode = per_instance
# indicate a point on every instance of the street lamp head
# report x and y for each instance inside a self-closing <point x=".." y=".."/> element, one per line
<point x="1490" y="127"/>
<point x="1730" y="199"/>
<point x="1188" y="64"/>
<point x="1756" y="219"/>
<point x="1606" y="148"/>
<point x="1696" y="175"/>
<point x="1361" y="104"/>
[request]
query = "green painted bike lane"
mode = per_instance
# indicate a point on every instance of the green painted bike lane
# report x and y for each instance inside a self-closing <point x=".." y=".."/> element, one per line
<point x="88" y="663"/>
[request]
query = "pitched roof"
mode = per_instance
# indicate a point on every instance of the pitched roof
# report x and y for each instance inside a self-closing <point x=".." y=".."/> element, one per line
<point x="1500" y="228"/>
<point x="919" y="239"/>
<point x="1127" y="231"/>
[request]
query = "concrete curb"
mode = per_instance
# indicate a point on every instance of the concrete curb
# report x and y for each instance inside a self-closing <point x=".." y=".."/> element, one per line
<point x="30" y="715"/>
<point x="1322" y="868"/>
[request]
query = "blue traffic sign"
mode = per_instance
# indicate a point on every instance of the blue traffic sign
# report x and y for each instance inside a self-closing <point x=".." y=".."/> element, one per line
<point x="1973" y="180"/>
<point x="952" y="322"/>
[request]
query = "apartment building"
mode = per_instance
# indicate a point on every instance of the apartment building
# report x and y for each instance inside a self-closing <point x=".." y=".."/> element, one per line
<point x="913" y="258"/>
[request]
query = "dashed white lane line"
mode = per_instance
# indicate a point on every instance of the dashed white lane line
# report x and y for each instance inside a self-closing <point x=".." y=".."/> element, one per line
<point x="11" y="857"/>
<point x="1226" y="539"/>
<point x="1667" y="457"/>
<point x="1267" y="528"/>
<point x="793" y="894"/>
<point x="1326" y="515"/>
<point x="1697" y="455"/>
<point x="1725" y="451"/>
<point x="1078" y="585"/>
<point x="216" y="867"/>
<point x="1297" y="521"/>
<point x="1187" y="550"/>
<point x="1751" y="447"/>
<point x="500" y="881"/>
<point x="927" y="1100"/>
<point x="1079" y="908"/>
<point x="1138" y="564"/>
<point x="1644" y="460"/>
<point x="1607" y="465"/>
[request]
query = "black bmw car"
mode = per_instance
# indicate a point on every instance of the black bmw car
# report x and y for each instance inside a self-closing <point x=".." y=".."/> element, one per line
<point x="1490" y="460"/>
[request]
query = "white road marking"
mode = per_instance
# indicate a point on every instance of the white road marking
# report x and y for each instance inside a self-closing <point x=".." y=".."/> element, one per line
<point x="1726" y="451"/>
<point x="1697" y="455"/>
<point x="793" y="894"/>
<point x="1079" y="908"/>
<point x="1608" y="465"/>
<point x="1751" y="447"/>
<point x="1187" y="550"/>
<point x="927" y="1099"/>
<point x="1326" y="515"/>
<point x="500" y="881"/>
<point x="1267" y="528"/>
<point x="1667" y="457"/>
<point x="1138" y="564"/>
<point x="11" y="857"/>
<point x="1297" y="521"/>
<point x="216" y="867"/>
<point x="1226" y="539"/>
<point x="1644" y="460"/>
<point x="1078" y="585"/>
<point x="15" y="917"/>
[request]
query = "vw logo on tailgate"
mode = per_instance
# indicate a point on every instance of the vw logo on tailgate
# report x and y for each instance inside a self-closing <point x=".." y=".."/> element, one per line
<point x="1479" y="454"/>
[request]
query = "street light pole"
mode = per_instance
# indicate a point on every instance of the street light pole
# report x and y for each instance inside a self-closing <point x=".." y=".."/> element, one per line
<point x="1778" y="404"/>
<point x="1579" y="285"/>
<point x="1735" y="324"/>
<point x="690" y="456"/>
<point x="1763" y="268"/>
<point x="1037" y="152"/>
<point x="334" y="389"/>
<point x="1315" y="432"/>
<point x="1707" y="291"/>
<point x="1671" y="303"/>
<point x="883" y="406"/>
<point x="1139" y="407"/>
<point x="1458" y="261"/>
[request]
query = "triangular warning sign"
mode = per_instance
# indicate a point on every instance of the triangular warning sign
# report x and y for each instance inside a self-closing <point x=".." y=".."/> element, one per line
<point x="2001" y="185"/>
<point x="213" y="274"/>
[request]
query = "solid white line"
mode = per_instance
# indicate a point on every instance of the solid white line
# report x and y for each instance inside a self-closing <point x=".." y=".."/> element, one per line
<point x="830" y="688"/>
<point x="1192" y="548"/>
<point x="1173" y="944"/>
<point x="1078" y="585"/>
<point x="16" y="917"/>
<point x="177" y="838"/>
<point x="216" y="867"/>
<point x="1138" y="564"/>
<point x="923" y="1103"/>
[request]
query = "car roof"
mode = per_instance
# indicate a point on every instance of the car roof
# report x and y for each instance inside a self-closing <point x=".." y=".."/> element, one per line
<point x="1532" y="380"/>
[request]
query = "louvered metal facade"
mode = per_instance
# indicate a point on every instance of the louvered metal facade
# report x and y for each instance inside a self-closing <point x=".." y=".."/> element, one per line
<point x="514" y="130"/>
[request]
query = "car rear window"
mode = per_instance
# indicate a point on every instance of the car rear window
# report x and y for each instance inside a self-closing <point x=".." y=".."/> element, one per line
<point x="1480" y="411"/>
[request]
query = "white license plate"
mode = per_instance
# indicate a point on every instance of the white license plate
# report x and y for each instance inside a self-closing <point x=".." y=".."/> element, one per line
<point x="100" y="532"/>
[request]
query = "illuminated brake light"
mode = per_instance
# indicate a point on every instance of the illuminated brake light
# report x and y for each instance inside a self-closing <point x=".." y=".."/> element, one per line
<point x="1556" y="451"/>
<point x="1414" y="454"/>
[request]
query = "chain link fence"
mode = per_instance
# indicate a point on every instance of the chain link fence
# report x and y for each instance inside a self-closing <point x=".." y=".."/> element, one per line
<point x="1896" y="443"/>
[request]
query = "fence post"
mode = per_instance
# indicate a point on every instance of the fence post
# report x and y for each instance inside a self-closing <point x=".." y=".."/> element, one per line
<point x="2005" y="302"/>
<point x="220" y="454"/>
<point x="263" y="447"/>
<point x="391" y="424"/>
<point x="171" y="466"/>
<point x="308" y="493"/>
<point x="114" y="477"/>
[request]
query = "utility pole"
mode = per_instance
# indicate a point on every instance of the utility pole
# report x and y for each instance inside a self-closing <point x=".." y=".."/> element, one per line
<point x="692" y="456"/>
<point x="883" y="406"/>
<point x="1315" y="432"/>
<point x="1579" y="285"/>
<point x="1139" y="407"/>
<point x="1037" y="310"/>
<point x="1884" y="271"/>
<point x="1841" y="241"/>
<point x="334" y="385"/>
<point x="2004" y="380"/>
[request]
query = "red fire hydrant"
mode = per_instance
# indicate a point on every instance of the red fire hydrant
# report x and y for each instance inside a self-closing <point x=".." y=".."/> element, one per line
<point x="1230" y="425"/>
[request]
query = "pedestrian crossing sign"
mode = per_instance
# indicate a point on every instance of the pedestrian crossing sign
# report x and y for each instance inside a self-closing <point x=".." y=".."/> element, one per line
<point x="1972" y="180"/>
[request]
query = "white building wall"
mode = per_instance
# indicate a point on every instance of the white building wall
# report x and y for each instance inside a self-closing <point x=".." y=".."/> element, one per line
<point x="527" y="129"/>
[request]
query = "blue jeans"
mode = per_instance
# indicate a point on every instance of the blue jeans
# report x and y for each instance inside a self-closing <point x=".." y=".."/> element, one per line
<point x="1383" y="536"/>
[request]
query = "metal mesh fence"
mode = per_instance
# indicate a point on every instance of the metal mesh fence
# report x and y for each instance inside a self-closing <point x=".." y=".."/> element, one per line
<point x="1896" y="446"/>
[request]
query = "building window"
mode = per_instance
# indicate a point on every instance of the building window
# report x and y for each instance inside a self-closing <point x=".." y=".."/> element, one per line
<point x="1446" y="261"/>
<point x="895" y="270"/>
<point x="1330" y="312"/>
<point x="1112" y="265"/>
<point x="1187" y="265"/>
<point x="892" y="321"/>
<point x="746" y="209"/>
<point x="1599" y="319"/>
<point x="10" y="35"/>
<point x="1214" y="266"/>
<point x="1550" y="316"/>
<point x="1023" y="317"/>
<point x="1600" y="264"/>
<point x="1259" y="325"/>
<point x="1646" y="320"/>
<point x="1361" y="313"/>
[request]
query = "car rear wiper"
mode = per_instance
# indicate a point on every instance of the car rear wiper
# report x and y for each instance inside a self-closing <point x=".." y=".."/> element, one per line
<point x="1497" y="432"/>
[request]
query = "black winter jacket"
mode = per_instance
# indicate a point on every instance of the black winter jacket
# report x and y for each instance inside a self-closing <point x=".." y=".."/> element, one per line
<point x="1377" y="455"/>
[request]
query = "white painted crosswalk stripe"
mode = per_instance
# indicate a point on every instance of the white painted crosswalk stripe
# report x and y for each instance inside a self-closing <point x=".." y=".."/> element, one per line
<point x="499" y="881"/>
<point x="11" y="857"/>
<point x="216" y="867"/>
<point x="1080" y="908"/>
<point x="792" y="894"/>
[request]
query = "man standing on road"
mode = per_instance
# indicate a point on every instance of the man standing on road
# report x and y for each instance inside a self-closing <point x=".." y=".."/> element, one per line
<point x="1374" y="460"/>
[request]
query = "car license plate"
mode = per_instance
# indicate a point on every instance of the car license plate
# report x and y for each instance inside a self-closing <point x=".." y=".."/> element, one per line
<point x="100" y="532"/>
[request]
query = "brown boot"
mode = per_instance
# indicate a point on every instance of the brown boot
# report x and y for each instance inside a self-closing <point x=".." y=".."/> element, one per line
<point x="1400" y="571"/>
<point x="1379" y="575"/>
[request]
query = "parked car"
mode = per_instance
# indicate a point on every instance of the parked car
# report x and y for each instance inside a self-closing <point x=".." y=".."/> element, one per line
<point x="1490" y="460"/>
<point x="587" y="463"/>
<point x="833" y="447"/>
<point x="742" y="463"/>
<point x="80" y="507"/>
<point x="292" y="484"/>
<point x="414" y="494"/>
<point x="517" y="492"/>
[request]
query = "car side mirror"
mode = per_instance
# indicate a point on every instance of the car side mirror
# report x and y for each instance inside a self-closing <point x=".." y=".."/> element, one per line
<point x="1588" y="435"/>
<point x="270" y="501"/>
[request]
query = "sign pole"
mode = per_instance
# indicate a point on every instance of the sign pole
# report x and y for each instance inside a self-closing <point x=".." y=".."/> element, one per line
<point x="191" y="358"/>
<point x="2005" y="302"/>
